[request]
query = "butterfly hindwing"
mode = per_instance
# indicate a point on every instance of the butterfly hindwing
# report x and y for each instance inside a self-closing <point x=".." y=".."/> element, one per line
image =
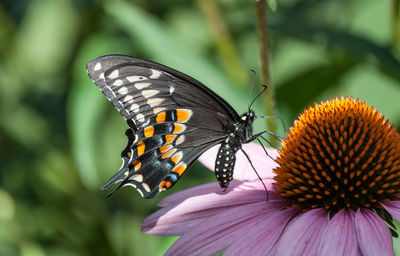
<point x="162" y="151"/>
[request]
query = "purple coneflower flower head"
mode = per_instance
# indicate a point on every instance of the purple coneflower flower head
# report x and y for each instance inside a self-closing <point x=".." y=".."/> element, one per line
<point x="336" y="183"/>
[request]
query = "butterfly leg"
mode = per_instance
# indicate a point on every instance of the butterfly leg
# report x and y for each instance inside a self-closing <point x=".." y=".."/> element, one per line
<point x="255" y="136"/>
<point x="251" y="163"/>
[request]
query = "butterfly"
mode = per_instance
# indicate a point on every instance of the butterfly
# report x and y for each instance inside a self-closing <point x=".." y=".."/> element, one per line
<point x="172" y="120"/>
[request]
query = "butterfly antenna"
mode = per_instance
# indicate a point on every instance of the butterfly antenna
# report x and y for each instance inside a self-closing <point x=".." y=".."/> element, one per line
<point x="258" y="95"/>
<point x="251" y="163"/>
<point x="251" y="88"/>
<point x="280" y="119"/>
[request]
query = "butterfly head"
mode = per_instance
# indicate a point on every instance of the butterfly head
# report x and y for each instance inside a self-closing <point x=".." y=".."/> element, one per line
<point x="248" y="119"/>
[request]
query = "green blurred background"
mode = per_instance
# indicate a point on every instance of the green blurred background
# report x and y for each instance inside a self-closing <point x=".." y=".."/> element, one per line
<point x="61" y="139"/>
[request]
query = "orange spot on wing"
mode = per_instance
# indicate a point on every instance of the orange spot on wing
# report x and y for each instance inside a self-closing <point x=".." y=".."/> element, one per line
<point x="136" y="164"/>
<point x="165" y="148"/>
<point x="161" y="117"/>
<point x="183" y="115"/>
<point x="180" y="169"/>
<point x="169" y="138"/>
<point x="140" y="148"/>
<point x="168" y="154"/>
<point x="178" y="128"/>
<point x="165" y="184"/>
<point x="177" y="157"/>
<point x="149" y="131"/>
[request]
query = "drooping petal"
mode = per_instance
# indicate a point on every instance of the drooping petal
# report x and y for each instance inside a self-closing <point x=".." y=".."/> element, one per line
<point x="339" y="237"/>
<point x="243" y="169"/>
<point x="393" y="207"/>
<point x="259" y="239"/>
<point x="179" y="218"/>
<point x="214" y="188"/>
<point x="373" y="235"/>
<point x="217" y="232"/>
<point x="302" y="235"/>
<point x="209" y="188"/>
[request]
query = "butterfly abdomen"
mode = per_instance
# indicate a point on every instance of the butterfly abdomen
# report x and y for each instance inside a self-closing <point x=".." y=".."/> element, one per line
<point x="225" y="162"/>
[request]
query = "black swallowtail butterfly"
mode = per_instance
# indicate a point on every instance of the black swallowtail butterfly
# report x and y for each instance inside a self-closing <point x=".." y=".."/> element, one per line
<point x="173" y="119"/>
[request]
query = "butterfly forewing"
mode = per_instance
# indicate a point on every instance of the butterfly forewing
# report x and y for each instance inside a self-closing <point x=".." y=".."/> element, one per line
<point x="173" y="117"/>
<point x="140" y="89"/>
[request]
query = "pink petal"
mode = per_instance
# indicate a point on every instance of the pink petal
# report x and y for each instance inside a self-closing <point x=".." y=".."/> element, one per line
<point x="393" y="207"/>
<point x="243" y="169"/>
<point x="177" y="219"/>
<point x="263" y="236"/>
<point x="209" y="188"/>
<point x="302" y="235"/>
<point x="217" y="232"/>
<point x="214" y="188"/>
<point x="373" y="235"/>
<point x="339" y="237"/>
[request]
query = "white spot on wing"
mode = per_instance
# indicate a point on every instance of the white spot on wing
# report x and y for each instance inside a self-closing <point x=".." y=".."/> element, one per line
<point x="97" y="66"/>
<point x="128" y="98"/>
<point x="180" y="140"/>
<point x="137" y="177"/>
<point x="134" y="142"/>
<point x="118" y="82"/>
<point x="129" y="184"/>
<point x="140" y="86"/>
<point x="101" y="76"/>
<point x="149" y="93"/>
<point x="140" y="117"/>
<point x="171" y="90"/>
<point x="146" y="187"/>
<point x="123" y="90"/>
<point x="134" y="78"/>
<point x="135" y="108"/>
<point x="158" y="110"/>
<point x="154" y="102"/>
<point x="156" y="74"/>
<point x="133" y="185"/>
<point x="114" y="74"/>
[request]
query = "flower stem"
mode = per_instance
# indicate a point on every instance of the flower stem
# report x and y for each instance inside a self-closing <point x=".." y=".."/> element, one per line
<point x="396" y="23"/>
<point x="262" y="31"/>
<point x="226" y="49"/>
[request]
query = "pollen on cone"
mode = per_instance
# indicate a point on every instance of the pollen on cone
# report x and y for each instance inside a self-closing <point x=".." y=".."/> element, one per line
<point x="339" y="154"/>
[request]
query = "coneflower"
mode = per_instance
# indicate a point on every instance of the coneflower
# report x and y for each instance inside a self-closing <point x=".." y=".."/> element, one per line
<point x="336" y="184"/>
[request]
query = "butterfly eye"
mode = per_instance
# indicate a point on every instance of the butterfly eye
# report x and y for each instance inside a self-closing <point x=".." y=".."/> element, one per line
<point x="252" y="116"/>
